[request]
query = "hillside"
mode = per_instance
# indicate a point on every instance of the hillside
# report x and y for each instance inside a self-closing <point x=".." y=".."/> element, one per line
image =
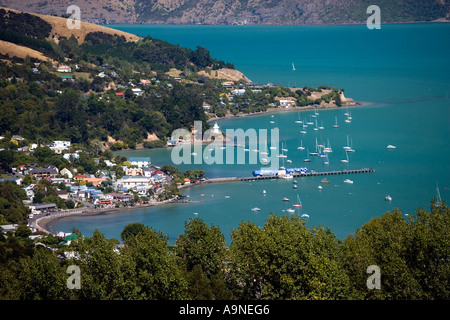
<point x="226" y="12"/>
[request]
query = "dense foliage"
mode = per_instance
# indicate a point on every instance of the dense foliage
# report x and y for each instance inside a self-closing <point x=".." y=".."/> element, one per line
<point x="281" y="260"/>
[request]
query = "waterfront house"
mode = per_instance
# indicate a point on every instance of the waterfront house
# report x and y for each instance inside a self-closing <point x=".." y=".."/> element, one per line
<point x="129" y="182"/>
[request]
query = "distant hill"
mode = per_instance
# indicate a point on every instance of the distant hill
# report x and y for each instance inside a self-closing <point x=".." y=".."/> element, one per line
<point x="226" y="12"/>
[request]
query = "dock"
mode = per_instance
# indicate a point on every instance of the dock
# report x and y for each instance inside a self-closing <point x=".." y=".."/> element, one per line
<point x="310" y="174"/>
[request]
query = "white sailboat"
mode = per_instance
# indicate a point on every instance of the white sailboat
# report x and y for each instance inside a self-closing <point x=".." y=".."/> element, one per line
<point x="307" y="159"/>
<point x="346" y="157"/>
<point x="327" y="161"/>
<point x="301" y="145"/>
<point x="438" y="196"/>
<point x="348" y="145"/>
<point x="299" y="120"/>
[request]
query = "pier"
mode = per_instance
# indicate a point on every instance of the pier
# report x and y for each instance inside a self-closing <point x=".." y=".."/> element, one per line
<point x="309" y="174"/>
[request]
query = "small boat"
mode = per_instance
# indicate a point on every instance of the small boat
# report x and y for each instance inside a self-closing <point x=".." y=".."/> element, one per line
<point x="299" y="203"/>
<point x="285" y="199"/>
<point x="324" y="180"/>
<point x="255" y="209"/>
<point x="287" y="176"/>
<point x="346" y="157"/>
<point x="304" y="215"/>
<point x="294" y="186"/>
<point x="272" y="148"/>
<point x="227" y="197"/>
<point x="290" y="210"/>
<point x="196" y="213"/>
<point x="319" y="187"/>
<point x="348" y="181"/>
<point x="307" y="159"/>
<point x="264" y="161"/>
<point x="388" y="198"/>
<point x="335" y="123"/>
<point x="289" y="161"/>
<point x="264" y="191"/>
<point x="193" y="153"/>
<point x="293" y="67"/>
<point x="391" y="147"/>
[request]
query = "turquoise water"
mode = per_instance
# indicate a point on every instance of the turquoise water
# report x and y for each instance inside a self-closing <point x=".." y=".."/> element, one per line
<point x="400" y="73"/>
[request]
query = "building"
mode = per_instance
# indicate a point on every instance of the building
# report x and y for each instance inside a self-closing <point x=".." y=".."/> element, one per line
<point x="132" y="171"/>
<point x="138" y="92"/>
<point x="206" y="106"/>
<point x="59" y="146"/>
<point x="95" y="181"/>
<point x="67" y="173"/>
<point x="40" y="173"/>
<point x="128" y="183"/>
<point x="64" y="68"/>
<point x="238" y="92"/>
<point x="140" y="162"/>
<point x="38" y="208"/>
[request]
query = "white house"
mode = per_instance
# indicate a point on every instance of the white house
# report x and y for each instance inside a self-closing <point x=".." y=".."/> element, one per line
<point x="130" y="182"/>
<point x="59" y="146"/>
<point x="140" y="162"/>
<point x="64" y="68"/>
<point x="136" y="91"/>
<point x="238" y="92"/>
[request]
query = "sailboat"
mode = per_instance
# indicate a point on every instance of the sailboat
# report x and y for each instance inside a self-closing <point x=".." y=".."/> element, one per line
<point x="316" y="153"/>
<point x="351" y="145"/>
<point x="327" y="161"/>
<point x="335" y="123"/>
<point x="307" y="159"/>
<point x="438" y="197"/>
<point x="301" y="146"/>
<point x="316" y="127"/>
<point x="293" y="67"/>
<point x="328" y="149"/>
<point x="321" y="125"/>
<point x="347" y="146"/>
<point x="299" y="203"/>
<point x="299" y="120"/>
<point x="346" y="157"/>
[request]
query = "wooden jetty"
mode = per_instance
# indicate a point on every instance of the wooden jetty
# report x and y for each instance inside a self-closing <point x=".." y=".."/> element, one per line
<point x="310" y="174"/>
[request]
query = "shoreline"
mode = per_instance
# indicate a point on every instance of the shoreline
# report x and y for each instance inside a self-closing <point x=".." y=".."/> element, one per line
<point x="41" y="223"/>
<point x="290" y="109"/>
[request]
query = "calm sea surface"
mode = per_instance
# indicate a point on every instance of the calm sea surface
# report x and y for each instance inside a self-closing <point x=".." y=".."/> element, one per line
<point x="401" y="75"/>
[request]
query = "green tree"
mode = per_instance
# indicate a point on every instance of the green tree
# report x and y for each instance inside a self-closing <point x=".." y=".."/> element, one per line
<point x="153" y="268"/>
<point x="286" y="260"/>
